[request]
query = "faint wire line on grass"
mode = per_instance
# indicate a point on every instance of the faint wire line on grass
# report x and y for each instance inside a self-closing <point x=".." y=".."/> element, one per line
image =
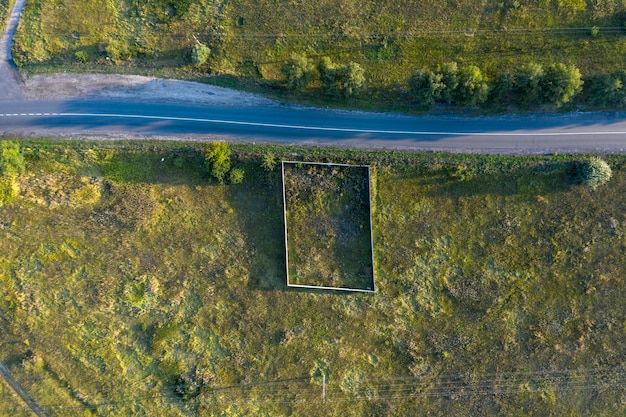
<point x="404" y="34"/>
<point x="394" y="388"/>
<point x="19" y="390"/>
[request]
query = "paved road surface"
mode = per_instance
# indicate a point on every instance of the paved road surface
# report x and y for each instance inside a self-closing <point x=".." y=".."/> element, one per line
<point x="287" y="124"/>
<point x="599" y="132"/>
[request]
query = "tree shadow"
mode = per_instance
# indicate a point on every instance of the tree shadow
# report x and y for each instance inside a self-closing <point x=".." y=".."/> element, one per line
<point x="258" y="202"/>
<point x="550" y="177"/>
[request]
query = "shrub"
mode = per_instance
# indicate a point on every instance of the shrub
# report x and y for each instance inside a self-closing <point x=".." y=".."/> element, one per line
<point x="236" y="176"/>
<point x="472" y="88"/>
<point x="81" y="56"/>
<point x="11" y="160"/>
<point x="217" y="160"/>
<point x="8" y="190"/>
<point x="351" y="78"/>
<point x="560" y="84"/>
<point x="595" y="31"/>
<point x="606" y="90"/>
<point x="449" y="72"/>
<point x="299" y="71"/>
<point x="340" y="80"/>
<point x="425" y="87"/>
<point x="527" y="84"/>
<point x="594" y="172"/>
<point x="328" y="76"/>
<point x="200" y="54"/>
<point x="269" y="161"/>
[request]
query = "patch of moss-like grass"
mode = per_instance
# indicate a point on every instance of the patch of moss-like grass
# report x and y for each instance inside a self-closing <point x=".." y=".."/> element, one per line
<point x="328" y="231"/>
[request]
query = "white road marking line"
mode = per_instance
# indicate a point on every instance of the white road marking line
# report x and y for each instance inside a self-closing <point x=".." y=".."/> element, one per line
<point x="316" y="128"/>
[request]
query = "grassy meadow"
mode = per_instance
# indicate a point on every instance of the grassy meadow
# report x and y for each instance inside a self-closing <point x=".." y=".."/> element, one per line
<point x="132" y="283"/>
<point x="251" y="40"/>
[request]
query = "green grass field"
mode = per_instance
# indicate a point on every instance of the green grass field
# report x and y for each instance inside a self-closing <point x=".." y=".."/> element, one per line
<point x="133" y="284"/>
<point x="250" y="40"/>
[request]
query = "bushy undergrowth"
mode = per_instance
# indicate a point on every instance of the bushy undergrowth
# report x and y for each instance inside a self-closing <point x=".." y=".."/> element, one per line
<point x="380" y="44"/>
<point x="500" y="288"/>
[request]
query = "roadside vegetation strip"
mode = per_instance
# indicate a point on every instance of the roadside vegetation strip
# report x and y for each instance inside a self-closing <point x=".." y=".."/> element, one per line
<point x="142" y="285"/>
<point x="328" y="226"/>
<point x="347" y="54"/>
<point x="24" y="395"/>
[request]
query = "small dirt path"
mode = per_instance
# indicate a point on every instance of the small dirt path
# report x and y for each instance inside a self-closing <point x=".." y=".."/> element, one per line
<point x="19" y="390"/>
<point x="10" y="80"/>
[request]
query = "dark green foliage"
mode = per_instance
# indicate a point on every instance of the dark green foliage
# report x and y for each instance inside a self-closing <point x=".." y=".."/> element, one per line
<point x="340" y="80"/>
<point x="472" y="88"/>
<point x="606" y="90"/>
<point x="217" y="158"/>
<point x="351" y="78"/>
<point x="560" y="84"/>
<point x="425" y="87"/>
<point x="527" y="84"/>
<point x="449" y="77"/>
<point x="299" y="71"/>
<point x="200" y="54"/>
<point x="11" y="159"/>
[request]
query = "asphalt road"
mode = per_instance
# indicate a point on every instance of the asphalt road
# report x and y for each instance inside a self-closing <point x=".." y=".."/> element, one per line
<point x="593" y="132"/>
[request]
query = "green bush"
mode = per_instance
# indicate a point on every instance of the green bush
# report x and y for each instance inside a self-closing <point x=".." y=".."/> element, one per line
<point x="351" y="78"/>
<point x="472" y="88"/>
<point x="606" y="90"/>
<point x="236" y="176"/>
<point x="269" y="161"/>
<point x="299" y="71"/>
<point x="200" y="54"/>
<point x="217" y="159"/>
<point x="527" y="84"/>
<point x="594" y="172"/>
<point x="560" y="84"/>
<point x="8" y="190"/>
<point x="11" y="160"/>
<point x="81" y="56"/>
<point x="449" y="77"/>
<point x="425" y="87"/>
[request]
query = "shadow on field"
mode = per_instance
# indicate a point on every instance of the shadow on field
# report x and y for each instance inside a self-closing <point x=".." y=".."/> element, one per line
<point x="258" y="202"/>
<point x="531" y="182"/>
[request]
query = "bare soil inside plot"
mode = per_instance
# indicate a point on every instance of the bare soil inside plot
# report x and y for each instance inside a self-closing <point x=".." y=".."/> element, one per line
<point x="328" y="226"/>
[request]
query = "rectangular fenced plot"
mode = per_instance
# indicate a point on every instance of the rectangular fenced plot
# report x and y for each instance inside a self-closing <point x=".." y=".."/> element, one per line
<point x="328" y="226"/>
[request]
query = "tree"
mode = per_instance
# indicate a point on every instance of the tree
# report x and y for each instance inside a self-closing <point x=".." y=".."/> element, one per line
<point x="340" y="80"/>
<point x="328" y="76"/>
<point x="299" y="71"/>
<point x="527" y="84"/>
<point x="560" y="84"/>
<point x="607" y="90"/>
<point x="200" y="53"/>
<point x="11" y="160"/>
<point x="594" y="172"/>
<point x="217" y="159"/>
<point x="351" y="78"/>
<point x="425" y="87"/>
<point x="448" y="72"/>
<point x="472" y="88"/>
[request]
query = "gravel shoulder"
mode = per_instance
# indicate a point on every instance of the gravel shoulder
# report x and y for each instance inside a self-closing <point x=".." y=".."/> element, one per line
<point x="135" y="88"/>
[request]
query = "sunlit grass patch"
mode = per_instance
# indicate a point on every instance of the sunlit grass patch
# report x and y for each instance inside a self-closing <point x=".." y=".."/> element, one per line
<point x="328" y="226"/>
